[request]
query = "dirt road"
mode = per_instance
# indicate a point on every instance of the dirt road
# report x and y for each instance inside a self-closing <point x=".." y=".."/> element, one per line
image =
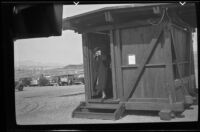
<point x="54" y="105"/>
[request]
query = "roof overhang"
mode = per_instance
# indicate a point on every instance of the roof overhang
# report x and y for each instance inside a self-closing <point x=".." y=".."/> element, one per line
<point x="120" y="14"/>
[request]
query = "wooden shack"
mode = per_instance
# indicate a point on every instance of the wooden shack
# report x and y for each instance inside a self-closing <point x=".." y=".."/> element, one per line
<point x="151" y="58"/>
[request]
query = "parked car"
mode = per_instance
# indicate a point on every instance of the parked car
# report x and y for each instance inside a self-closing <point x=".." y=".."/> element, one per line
<point x="43" y="81"/>
<point x="26" y="81"/>
<point x="34" y="82"/>
<point x="66" y="79"/>
<point x="19" y="85"/>
<point x="79" y="79"/>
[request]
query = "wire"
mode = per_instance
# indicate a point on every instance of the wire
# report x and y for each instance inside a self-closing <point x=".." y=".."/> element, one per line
<point x="168" y="14"/>
<point x="149" y="21"/>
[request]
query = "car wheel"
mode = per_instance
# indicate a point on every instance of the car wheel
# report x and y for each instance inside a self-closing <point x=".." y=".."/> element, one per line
<point x="20" y="88"/>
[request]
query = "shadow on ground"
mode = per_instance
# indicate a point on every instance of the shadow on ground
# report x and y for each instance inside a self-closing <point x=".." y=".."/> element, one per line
<point x="73" y="94"/>
<point x="150" y="113"/>
<point x="141" y="113"/>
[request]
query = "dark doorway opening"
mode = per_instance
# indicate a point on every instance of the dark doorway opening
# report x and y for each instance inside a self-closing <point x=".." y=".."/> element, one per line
<point x="101" y="66"/>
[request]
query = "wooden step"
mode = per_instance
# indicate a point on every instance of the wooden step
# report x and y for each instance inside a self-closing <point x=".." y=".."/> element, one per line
<point x="99" y="111"/>
<point x="94" y="115"/>
<point x="109" y="101"/>
<point x="100" y="106"/>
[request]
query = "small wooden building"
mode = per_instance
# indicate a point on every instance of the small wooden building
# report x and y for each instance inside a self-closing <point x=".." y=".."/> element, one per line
<point x="151" y="58"/>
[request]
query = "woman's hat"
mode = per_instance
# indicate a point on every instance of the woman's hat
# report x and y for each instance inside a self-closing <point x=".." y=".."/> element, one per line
<point x="96" y="49"/>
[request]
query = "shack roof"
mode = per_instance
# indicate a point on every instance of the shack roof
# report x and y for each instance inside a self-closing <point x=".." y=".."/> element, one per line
<point x="120" y="14"/>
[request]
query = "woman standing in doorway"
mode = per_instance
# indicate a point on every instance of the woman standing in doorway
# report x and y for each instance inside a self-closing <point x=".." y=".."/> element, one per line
<point x="100" y="75"/>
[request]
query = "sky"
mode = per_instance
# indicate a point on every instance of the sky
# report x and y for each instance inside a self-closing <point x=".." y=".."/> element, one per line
<point x="57" y="50"/>
<point x="60" y="50"/>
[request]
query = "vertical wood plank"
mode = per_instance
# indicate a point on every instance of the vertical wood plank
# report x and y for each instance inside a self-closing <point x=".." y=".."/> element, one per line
<point x="113" y="64"/>
<point x="90" y="55"/>
<point x="189" y="38"/>
<point x="191" y="62"/>
<point x="169" y="68"/>
<point x="86" y="66"/>
<point x="190" y="54"/>
<point x="118" y="64"/>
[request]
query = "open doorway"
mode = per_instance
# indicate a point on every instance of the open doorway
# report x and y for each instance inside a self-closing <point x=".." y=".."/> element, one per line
<point x="101" y="65"/>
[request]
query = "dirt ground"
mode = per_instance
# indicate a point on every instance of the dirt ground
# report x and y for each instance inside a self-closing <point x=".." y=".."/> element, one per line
<point x="54" y="105"/>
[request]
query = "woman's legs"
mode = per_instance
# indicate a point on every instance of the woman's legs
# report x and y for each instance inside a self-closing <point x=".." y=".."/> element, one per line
<point x="102" y="80"/>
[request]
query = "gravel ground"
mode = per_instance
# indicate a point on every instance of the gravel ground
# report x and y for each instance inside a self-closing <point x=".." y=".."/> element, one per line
<point x="54" y="105"/>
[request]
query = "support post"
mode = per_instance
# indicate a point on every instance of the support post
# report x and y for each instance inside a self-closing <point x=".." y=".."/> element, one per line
<point x="118" y="64"/>
<point x="112" y="53"/>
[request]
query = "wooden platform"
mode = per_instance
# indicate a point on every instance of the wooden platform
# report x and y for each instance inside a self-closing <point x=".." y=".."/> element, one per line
<point x="99" y="111"/>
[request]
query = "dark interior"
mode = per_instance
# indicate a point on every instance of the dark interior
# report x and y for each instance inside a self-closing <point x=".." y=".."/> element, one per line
<point x="102" y="40"/>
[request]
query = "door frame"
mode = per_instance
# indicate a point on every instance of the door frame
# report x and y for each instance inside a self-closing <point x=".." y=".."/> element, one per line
<point x="88" y="66"/>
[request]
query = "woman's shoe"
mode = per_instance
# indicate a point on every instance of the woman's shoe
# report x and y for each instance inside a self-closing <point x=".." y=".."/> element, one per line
<point x="97" y="95"/>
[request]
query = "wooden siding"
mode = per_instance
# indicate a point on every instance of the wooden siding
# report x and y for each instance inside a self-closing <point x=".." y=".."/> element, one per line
<point x="157" y="79"/>
<point x="86" y="66"/>
<point x="180" y="39"/>
<point x="152" y="83"/>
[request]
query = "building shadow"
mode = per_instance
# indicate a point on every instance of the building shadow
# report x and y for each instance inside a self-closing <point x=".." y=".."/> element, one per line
<point x="141" y="113"/>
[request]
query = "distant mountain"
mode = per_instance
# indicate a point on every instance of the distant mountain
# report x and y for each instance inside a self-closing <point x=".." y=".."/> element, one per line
<point x="28" y="64"/>
<point x="79" y="66"/>
<point x="31" y="71"/>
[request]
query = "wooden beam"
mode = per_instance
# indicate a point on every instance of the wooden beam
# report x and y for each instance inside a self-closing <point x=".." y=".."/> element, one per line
<point x="156" y="10"/>
<point x="140" y="71"/>
<point x="129" y="66"/>
<point x="134" y="23"/>
<point x="154" y="106"/>
<point x="86" y="66"/>
<point x="190" y="51"/>
<point x="94" y="115"/>
<point x="169" y="76"/>
<point x="101" y="106"/>
<point x="119" y="111"/>
<point x="118" y="64"/>
<point x="112" y="53"/>
<point x="154" y="100"/>
<point x="96" y="29"/>
<point x="190" y="60"/>
<point x="147" y="65"/>
<point x="180" y="63"/>
<point x="108" y="17"/>
<point x="110" y="101"/>
<point x="155" y="65"/>
<point x="102" y="33"/>
<point x="90" y="70"/>
<point x="67" y="26"/>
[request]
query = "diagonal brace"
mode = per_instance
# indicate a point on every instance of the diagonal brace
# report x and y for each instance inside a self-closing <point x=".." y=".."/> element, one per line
<point x="141" y="69"/>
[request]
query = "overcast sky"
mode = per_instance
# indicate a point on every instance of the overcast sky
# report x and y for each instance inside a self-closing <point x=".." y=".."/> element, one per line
<point x="65" y="49"/>
<point x="61" y="50"/>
